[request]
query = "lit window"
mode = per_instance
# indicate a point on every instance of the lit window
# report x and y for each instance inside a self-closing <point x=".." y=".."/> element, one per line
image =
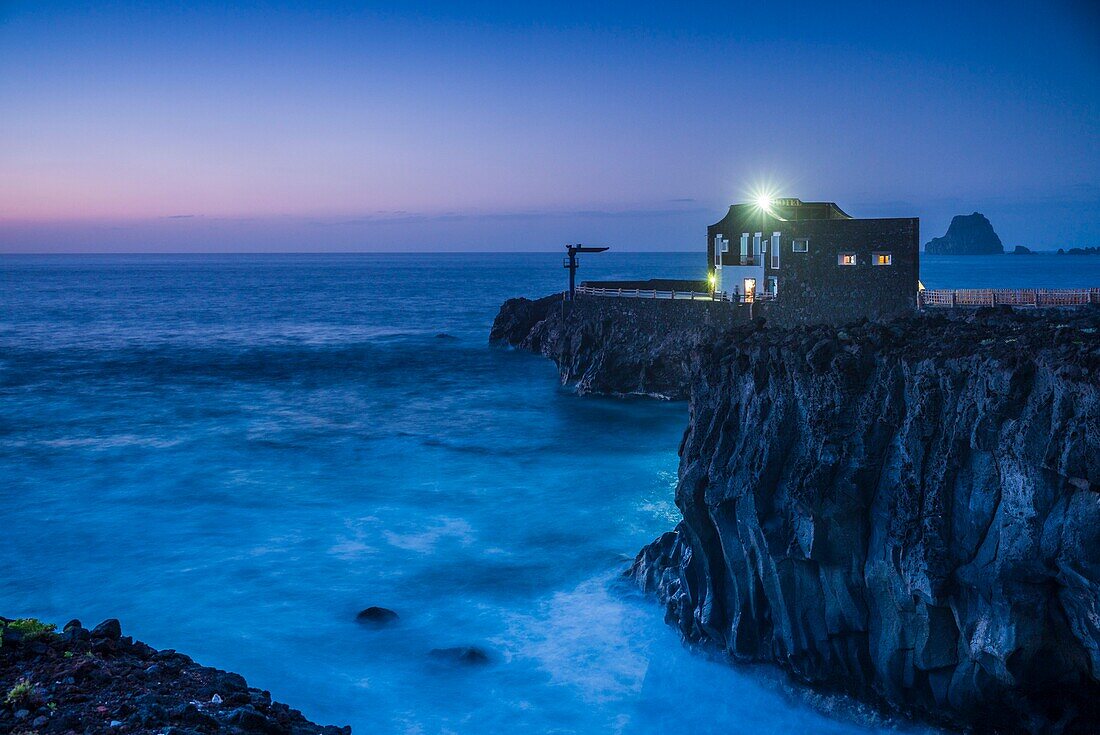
<point x="846" y="259"/>
<point x="882" y="259"/>
<point x="802" y="245"/>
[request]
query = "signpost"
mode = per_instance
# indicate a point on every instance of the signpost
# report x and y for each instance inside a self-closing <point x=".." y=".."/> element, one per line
<point x="571" y="263"/>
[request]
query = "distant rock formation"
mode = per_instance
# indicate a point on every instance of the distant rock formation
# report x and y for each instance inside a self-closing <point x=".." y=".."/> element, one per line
<point x="969" y="234"/>
<point x="1079" y="251"/>
<point x="1021" y="250"/>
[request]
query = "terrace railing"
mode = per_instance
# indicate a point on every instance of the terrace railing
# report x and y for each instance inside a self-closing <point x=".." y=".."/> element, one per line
<point x="650" y="293"/>
<point x="1033" y="297"/>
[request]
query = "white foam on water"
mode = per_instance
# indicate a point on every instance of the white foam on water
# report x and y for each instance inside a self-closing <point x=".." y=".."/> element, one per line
<point x="441" y="529"/>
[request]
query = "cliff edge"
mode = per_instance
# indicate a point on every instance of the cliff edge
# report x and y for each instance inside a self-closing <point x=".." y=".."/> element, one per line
<point x="617" y="346"/>
<point x="908" y="512"/>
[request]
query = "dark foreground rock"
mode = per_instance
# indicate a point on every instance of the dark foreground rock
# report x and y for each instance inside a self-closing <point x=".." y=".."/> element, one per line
<point x="100" y="681"/>
<point x="968" y="234"/>
<point x="617" y="346"/>
<point x="908" y="512"/>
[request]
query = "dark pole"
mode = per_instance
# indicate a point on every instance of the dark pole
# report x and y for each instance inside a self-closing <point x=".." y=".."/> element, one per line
<point x="572" y="272"/>
<point x="571" y="264"/>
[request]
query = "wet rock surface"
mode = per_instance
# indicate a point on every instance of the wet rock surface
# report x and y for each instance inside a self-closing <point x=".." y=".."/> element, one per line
<point x="908" y="512"/>
<point x="379" y="616"/>
<point x="100" y="681"/>
<point x="462" y="655"/>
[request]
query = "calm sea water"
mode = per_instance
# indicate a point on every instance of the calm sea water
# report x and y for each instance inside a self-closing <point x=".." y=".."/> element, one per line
<point x="235" y="454"/>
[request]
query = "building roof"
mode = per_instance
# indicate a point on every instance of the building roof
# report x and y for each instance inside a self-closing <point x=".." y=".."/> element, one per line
<point x="788" y="209"/>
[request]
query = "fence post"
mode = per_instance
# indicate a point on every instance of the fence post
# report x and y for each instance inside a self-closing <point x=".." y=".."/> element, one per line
<point x="992" y="297"/>
<point x="954" y="299"/>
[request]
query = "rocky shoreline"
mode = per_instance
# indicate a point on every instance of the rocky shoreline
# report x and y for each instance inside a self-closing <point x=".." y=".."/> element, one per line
<point x="100" y="681"/>
<point x="907" y="512"/>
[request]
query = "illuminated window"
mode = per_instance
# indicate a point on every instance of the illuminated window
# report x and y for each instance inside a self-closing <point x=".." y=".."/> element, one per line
<point x="801" y="245"/>
<point x="882" y="259"/>
<point x="846" y="259"/>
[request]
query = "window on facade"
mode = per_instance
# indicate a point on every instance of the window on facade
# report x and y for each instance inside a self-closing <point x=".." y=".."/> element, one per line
<point x="775" y="250"/>
<point x="751" y="260"/>
<point x="744" y="246"/>
<point x="882" y="259"/>
<point x="846" y="259"/>
<point x="772" y="285"/>
<point x="721" y="245"/>
<point x="800" y="245"/>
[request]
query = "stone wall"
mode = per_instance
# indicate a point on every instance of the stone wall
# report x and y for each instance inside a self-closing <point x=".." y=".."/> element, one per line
<point x="814" y="289"/>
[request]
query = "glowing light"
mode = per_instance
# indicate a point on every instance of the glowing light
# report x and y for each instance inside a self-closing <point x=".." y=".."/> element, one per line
<point x="713" y="280"/>
<point x="763" y="201"/>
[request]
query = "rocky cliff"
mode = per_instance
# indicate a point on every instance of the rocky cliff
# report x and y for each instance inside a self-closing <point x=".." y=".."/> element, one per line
<point x="618" y="346"/>
<point x="908" y="512"/>
<point x="969" y="234"/>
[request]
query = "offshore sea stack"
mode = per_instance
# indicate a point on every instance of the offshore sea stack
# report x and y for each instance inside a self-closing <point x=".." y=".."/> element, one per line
<point x="908" y="512"/>
<point x="968" y="234"/>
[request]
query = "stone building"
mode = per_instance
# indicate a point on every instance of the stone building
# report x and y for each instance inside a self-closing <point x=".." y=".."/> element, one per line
<point x="813" y="262"/>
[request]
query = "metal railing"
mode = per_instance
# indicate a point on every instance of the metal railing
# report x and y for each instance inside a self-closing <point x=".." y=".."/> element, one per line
<point x="1033" y="297"/>
<point x="651" y="293"/>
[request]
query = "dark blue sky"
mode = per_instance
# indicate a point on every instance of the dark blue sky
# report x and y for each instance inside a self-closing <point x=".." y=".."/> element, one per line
<point x="498" y="126"/>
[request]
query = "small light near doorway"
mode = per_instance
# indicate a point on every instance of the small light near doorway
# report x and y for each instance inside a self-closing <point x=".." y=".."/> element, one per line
<point x="846" y="259"/>
<point x="882" y="259"/>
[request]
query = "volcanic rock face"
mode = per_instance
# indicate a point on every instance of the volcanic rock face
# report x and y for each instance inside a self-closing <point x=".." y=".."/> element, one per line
<point x="969" y="234"/>
<point x="909" y="512"/>
<point x="617" y="346"/>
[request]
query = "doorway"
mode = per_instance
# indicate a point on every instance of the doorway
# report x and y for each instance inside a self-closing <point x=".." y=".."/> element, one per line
<point x="750" y="289"/>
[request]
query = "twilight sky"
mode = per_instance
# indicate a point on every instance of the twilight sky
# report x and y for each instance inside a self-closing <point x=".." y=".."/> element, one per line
<point x="432" y="126"/>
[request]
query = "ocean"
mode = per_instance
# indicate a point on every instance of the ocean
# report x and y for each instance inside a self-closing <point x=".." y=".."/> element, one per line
<point x="236" y="454"/>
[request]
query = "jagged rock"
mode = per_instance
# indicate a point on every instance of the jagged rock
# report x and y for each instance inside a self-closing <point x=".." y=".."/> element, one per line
<point x="911" y="515"/>
<point x="1021" y="250"/>
<point x="969" y="234"/>
<point x="110" y="629"/>
<point x="617" y="346"/>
